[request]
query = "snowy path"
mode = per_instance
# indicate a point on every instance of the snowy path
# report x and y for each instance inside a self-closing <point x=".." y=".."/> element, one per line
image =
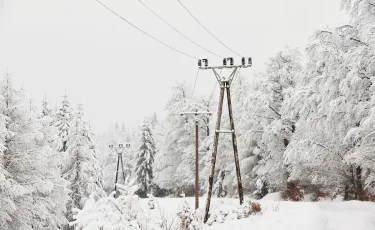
<point x="349" y="215"/>
<point x="282" y="215"/>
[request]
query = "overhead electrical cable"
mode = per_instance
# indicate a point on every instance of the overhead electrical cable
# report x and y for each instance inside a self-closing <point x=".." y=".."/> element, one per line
<point x="174" y="28"/>
<point x="214" y="87"/>
<point x="212" y="91"/>
<point x="195" y="82"/>
<point x="188" y="55"/>
<point x="207" y="29"/>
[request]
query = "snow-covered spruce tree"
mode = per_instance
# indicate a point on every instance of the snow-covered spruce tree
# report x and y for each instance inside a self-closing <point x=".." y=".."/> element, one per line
<point x="63" y="120"/>
<point x="7" y="203"/>
<point x="59" y="194"/>
<point x="145" y="160"/>
<point x="82" y="169"/>
<point x="32" y="193"/>
<point x="46" y="111"/>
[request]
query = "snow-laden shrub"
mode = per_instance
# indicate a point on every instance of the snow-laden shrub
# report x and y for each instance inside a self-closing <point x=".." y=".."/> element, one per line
<point x="247" y="209"/>
<point x="229" y="213"/>
<point x="224" y="214"/>
<point x="293" y="192"/>
<point x="109" y="213"/>
<point x="190" y="219"/>
<point x="261" y="189"/>
<point x="255" y="208"/>
<point x="243" y="211"/>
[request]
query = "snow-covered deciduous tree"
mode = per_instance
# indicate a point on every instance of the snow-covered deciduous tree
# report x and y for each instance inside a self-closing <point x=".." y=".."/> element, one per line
<point x="63" y="120"/>
<point x="81" y="169"/>
<point x="358" y="91"/>
<point x="281" y="75"/>
<point x="145" y="160"/>
<point x="334" y="97"/>
<point x="172" y="158"/>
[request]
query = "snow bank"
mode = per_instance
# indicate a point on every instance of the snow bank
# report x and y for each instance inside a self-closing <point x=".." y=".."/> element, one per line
<point x="166" y="213"/>
<point x="276" y="196"/>
<point x="280" y="215"/>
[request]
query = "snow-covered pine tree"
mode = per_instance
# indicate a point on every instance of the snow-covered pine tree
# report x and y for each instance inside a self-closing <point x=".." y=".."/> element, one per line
<point x="46" y="111"/>
<point x="7" y="202"/>
<point x="63" y="118"/>
<point x="32" y="192"/>
<point x="82" y="169"/>
<point x="145" y="161"/>
<point x="59" y="193"/>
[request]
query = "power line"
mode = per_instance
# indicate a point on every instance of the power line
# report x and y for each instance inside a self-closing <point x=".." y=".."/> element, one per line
<point x="207" y="29"/>
<point x="174" y="28"/>
<point x="212" y="91"/>
<point x="237" y="76"/>
<point x="188" y="55"/>
<point x="196" y="78"/>
<point x="214" y="87"/>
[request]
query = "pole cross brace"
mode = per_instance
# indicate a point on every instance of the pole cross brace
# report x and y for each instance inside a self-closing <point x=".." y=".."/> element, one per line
<point x="225" y="131"/>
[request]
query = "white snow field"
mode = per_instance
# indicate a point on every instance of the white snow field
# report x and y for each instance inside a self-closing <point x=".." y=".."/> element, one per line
<point x="325" y="215"/>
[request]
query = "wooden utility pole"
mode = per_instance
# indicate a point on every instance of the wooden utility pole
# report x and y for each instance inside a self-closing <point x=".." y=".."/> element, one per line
<point x="196" y="119"/>
<point x="225" y="84"/>
<point x="119" y="150"/>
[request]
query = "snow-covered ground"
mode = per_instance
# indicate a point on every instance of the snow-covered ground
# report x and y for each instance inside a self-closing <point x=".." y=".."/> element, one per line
<point x="276" y="214"/>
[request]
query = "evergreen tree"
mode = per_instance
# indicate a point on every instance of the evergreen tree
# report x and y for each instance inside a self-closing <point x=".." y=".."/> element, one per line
<point x="82" y="169"/>
<point x="32" y="192"/>
<point x="45" y="110"/>
<point x="145" y="160"/>
<point x="63" y="121"/>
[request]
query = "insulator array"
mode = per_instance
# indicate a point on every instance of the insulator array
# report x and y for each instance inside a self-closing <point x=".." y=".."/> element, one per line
<point x="229" y="61"/>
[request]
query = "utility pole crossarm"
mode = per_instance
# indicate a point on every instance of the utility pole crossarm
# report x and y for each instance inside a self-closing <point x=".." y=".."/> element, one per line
<point x="195" y="113"/>
<point x="225" y="131"/>
<point x="224" y="67"/>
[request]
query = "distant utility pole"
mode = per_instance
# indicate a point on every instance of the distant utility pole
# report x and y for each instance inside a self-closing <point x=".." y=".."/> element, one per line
<point x="196" y="115"/>
<point x="224" y="85"/>
<point x="119" y="150"/>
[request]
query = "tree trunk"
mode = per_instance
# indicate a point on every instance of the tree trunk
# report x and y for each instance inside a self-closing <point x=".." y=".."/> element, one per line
<point x="359" y="189"/>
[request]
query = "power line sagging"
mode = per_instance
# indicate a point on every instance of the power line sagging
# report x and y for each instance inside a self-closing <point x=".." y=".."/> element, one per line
<point x="205" y="28"/>
<point x="174" y="28"/>
<point x="147" y="34"/>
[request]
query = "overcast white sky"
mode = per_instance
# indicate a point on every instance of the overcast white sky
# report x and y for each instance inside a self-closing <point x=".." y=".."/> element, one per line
<point x="117" y="72"/>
